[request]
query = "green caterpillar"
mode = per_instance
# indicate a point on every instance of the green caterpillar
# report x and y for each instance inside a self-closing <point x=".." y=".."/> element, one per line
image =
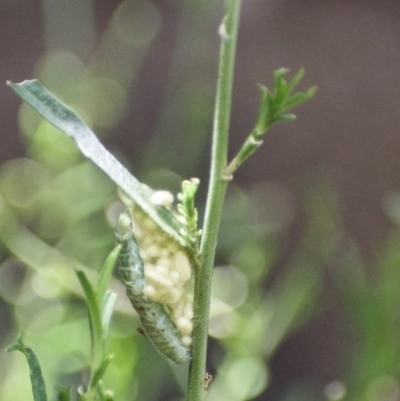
<point x="154" y="316"/>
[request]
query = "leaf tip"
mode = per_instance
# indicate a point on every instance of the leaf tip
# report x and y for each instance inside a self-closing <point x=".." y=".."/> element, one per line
<point x="18" y="346"/>
<point x="11" y="84"/>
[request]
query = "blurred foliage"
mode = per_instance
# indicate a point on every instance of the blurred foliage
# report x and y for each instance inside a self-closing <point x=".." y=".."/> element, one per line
<point x="57" y="213"/>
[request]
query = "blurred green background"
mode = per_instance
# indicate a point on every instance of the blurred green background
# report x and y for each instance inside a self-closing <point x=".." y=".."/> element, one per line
<point x="306" y="293"/>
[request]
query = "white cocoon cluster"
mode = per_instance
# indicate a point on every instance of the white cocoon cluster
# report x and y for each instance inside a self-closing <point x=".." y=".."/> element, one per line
<point x="166" y="267"/>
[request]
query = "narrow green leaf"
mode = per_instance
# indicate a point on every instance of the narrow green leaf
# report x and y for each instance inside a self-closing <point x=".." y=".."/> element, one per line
<point x="63" y="118"/>
<point x="279" y="74"/>
<point x="284" y="117"/>
<point x="106" y="313"/>
<point x="271" y="108"/>
<point x="295" y="80"/>
<point x="96" y="328"/>
<point x="37" y="381"/>
<point x="299" y="98"/>
<point x="311" y="92"/>
<point x="99" y="372"/>
<point x="106" y="273"/>
<point x="264" y="113"/>
<point x="280" y="86"/>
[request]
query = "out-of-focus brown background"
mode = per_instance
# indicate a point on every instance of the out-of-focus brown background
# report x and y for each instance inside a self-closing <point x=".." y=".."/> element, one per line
<point x="348" y="134"/>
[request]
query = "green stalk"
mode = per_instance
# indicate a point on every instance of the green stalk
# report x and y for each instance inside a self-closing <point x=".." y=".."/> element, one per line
<point x="216" y="194"/>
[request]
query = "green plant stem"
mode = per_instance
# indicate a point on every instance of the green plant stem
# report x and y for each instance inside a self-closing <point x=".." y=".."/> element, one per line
<point x="216" y="194"/>
<point x="248" y="148"/>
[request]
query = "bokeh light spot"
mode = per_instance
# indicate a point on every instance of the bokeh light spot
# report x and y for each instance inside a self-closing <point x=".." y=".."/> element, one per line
<point x="45" y="283"/>
<point x="136" y="22"/>
<point x="246" y="378"/>
<point x="335" y="390"/>
<point x="103" y="101"/>
<point x="229" y="286"/>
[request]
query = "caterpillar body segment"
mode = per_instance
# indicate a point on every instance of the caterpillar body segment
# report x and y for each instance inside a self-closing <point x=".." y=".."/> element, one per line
<point x="131" y="269"/>
<point x="154" y="316"/>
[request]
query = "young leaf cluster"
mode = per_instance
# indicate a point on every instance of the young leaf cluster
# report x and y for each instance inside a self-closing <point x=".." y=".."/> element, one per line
<point x="273" y="109"/>
<point x="274" y="104"/>
<point x="188" y="212"/>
